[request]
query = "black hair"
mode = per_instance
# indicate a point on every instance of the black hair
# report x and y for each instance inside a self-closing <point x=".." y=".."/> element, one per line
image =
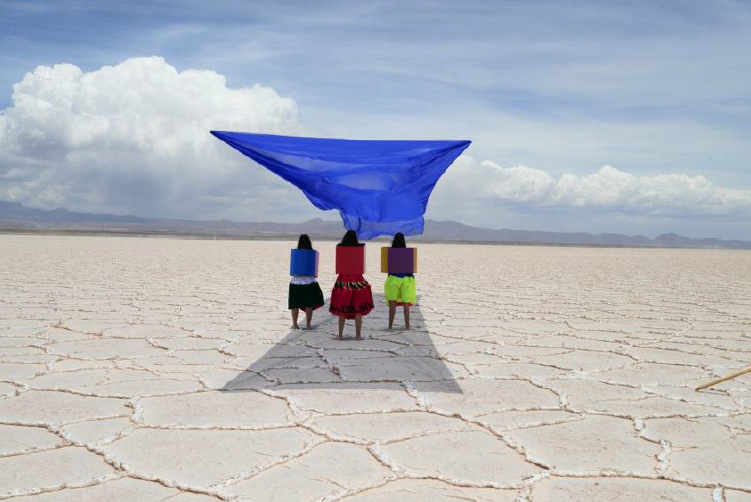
<point x="304" y="242"/>
<point x="349" y="239"/>
<point x="398" y="241"/>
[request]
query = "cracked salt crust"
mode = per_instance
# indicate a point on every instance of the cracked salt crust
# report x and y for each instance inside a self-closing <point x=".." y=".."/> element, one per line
<point x="50" y="407"/>
<point x="588" y="445"/>
<point x="16" y="440"/>
<point x="110" y="491"/>
<point x="386" y="427"/>
<point x="492" y="463"/>
<point x="482" y="396"/>
<point x="97" y="431"/>
<point x="694" y="454"/>
<point x="51" y="469"/>
<point x="217" y="409"/>
<point x="317" y="474"/>
<point x="737" y="496"/>
<point x="626" y="490"/>
<point x="199" y="458"/>
<point x="165" y="370"/>
<point x="433" y="490"/>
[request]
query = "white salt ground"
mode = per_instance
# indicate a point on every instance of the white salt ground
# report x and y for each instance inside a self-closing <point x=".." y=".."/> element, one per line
<point x="152" y="369"/>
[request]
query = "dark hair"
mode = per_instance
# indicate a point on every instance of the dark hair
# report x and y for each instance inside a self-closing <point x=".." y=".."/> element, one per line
<point x="304" y="242"/>
<point x="349" y="239"/>
<point x="398" y="241"/>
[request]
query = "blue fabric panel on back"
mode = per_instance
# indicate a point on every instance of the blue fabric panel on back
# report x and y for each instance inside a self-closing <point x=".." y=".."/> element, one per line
<point x="379" y="187"/>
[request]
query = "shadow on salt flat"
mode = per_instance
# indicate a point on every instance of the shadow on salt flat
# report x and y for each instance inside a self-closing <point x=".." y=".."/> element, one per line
<point x="316" y="359"/>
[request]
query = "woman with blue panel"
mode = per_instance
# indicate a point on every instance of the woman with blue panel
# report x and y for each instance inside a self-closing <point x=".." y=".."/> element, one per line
<point x="304" y="291"/>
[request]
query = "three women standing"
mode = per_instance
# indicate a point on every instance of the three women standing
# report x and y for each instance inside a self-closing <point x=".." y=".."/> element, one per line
<point x="351" y="297"/>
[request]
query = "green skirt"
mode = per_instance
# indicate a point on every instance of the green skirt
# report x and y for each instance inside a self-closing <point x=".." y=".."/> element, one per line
<point x="305" y="296"/>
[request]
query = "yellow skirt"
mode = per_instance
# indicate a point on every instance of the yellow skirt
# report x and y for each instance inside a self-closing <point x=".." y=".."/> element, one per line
<point x="401" y="290"/>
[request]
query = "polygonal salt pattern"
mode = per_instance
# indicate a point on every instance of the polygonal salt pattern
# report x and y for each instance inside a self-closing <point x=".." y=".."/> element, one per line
<point x="155" y="369"/>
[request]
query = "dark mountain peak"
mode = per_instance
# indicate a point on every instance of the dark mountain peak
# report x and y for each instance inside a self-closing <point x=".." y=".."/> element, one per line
<point x="447" y="223"/>
<point x="671" y="239"/>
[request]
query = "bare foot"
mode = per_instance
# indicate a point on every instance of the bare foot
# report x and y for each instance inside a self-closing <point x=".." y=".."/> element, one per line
<point x="359" y="338"/>
<point x="294" y="326"/>
<point x="341" y="337"/>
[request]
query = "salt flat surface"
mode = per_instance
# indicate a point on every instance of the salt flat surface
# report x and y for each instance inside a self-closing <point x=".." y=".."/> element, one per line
<point x="153" y="369"/>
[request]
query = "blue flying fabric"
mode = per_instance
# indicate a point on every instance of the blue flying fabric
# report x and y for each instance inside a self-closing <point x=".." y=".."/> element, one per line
<point x="379" y="187"/>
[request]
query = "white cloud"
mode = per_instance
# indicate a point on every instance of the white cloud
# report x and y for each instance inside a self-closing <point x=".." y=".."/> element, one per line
<point x="609" y="188"/>
<point x="134" y="137"/>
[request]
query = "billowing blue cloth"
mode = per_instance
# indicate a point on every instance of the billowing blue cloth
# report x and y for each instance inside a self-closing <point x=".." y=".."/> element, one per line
<point x="379" y="187"/>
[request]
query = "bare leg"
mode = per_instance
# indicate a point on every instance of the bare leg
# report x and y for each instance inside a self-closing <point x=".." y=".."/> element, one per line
<point x="341" y="327"/>
<point x="358" y="326"/>
<point x="308" y="316"/>
<point x="406" y="317"/>
<point x="392" y="314"/>
<point x="294" y="313"/>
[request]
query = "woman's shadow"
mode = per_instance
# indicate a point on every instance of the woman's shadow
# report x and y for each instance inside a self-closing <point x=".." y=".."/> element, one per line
<point x="317" y="359"/>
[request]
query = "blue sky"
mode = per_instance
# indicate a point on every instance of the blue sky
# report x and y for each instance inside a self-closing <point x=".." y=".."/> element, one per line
<point x="651" y="88"/>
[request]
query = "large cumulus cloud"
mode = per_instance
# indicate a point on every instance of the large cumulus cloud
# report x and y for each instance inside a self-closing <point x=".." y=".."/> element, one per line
<point x="134" y="138"/>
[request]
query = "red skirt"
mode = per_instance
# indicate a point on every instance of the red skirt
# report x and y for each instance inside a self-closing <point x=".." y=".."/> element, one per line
<point x="351" y="296"/>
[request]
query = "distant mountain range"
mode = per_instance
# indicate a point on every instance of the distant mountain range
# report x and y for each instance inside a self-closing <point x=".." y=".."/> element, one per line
<point x="16" y="218"/>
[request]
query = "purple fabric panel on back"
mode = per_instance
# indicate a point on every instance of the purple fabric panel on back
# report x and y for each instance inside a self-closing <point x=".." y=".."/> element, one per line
<point x="401" y="260"/>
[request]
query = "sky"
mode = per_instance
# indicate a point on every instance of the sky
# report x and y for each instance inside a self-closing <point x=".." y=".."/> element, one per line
<point x="596" y="116"/>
